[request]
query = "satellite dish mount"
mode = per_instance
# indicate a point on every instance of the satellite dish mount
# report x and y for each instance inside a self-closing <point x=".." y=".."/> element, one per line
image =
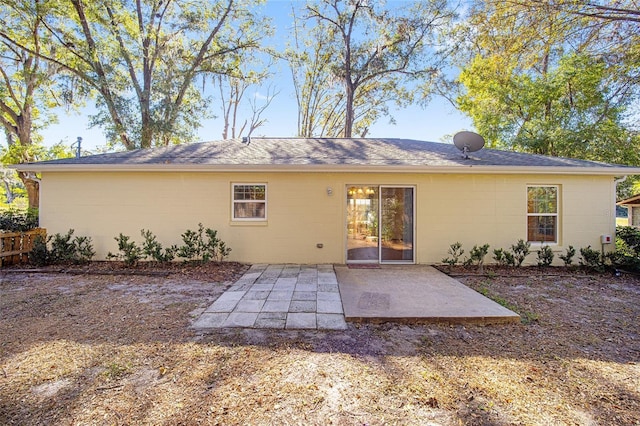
<point x="468" y="142"/>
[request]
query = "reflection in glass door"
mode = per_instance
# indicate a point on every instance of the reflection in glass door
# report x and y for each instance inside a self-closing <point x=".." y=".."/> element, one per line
<point x="362" y="224"/>
<point x="380" y="224"/>
<point x="396" y="230"/>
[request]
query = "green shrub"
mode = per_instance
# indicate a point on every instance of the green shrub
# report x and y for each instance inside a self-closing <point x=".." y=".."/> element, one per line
<point x="39" y="254"/>
<point x="84" y="249"/>
<point x="476" y="256"/>
<point x="65" y="248"/>
<point x="591" y="259"/>
<point x="627" y="252"/>
<point x="630" y="235"/>
<point x="18" y="221"/>
<point x="520" y="251"/>
<point x="151" y="248"/>
<point x="545" y="256"/>
<point x="193" y="245"/>
<point x="202" y="245"/>
<point x="456" y="252"/>
<point x="567" y="258"/>
<point x="504" y="257"/>
<point x="128" y="251"/>
<point x="215" y="248"/>
<point x="62" y="248"/>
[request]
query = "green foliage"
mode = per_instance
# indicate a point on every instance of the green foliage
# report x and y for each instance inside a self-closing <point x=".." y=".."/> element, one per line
<point x="477" y="255"/>
<point x="151" y="248"/>
<point x="115" y="371"/>
<point x="455" y="251"/>
<point x="520" y="251"/>
<point x="592" y="259"/>
<point x="538" y="79"/>
<point x="567" y="258"/>
<point x="193" y="244"/>
<point x="145" y="75"/>
<point x="18" y="221"/>
<point x="216" y="249"/>
<point x="202" y="245"/>
<point x="84" y="249"/>
<point x="39" y="254"/>
<point x="65" y="248"/>
<point x="627" y="253"/>
<point x="545" y="256"/>
<point x="504" y="257"/>
<point x="128" y="251"/>
<point x="630" y="235"/>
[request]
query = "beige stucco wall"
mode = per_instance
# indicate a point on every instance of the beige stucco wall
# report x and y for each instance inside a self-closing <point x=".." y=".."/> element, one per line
<point x="472" y="209"/>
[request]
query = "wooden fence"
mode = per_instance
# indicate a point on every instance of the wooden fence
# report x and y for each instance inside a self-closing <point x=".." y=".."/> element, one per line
<point x="16" y="246"/>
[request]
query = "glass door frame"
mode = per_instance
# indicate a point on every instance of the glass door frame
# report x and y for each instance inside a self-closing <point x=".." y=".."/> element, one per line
<point x="413" y="225"/>
<point x="379" y="227"/>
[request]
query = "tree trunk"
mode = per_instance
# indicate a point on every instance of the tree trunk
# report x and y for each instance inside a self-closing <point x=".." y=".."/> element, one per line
<point x="8" y="192"/>
<point x="33" y="190"/>
<point x="348" y="113"/>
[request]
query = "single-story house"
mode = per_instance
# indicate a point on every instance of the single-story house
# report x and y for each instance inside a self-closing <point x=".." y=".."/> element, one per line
<point x="322" y="200"/>
<point x="633" y="209"/>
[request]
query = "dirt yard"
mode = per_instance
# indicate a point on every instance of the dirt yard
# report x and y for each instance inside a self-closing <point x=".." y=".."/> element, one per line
<point x="90" y="349"/>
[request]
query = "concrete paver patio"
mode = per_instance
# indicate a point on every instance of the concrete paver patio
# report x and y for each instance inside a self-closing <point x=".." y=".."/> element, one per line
<point x="279" y="296"/>
<point x="324" y="297"/>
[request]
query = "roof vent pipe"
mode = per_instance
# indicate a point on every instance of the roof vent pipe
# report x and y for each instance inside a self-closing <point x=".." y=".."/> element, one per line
<point x="78" y="145"/>
<point x="246" y="140"/>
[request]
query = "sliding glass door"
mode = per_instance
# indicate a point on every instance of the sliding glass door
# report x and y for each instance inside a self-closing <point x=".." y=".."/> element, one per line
<point x="396" y="230"/>
<point x="362" y="224"/>
<point x="380" y="224"/>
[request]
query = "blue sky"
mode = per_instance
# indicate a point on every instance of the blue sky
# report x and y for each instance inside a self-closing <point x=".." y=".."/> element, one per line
<point x="437" y="122"/>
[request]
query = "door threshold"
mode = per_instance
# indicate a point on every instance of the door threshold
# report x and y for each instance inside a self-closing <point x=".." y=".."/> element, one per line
<point x="363" y="265"/>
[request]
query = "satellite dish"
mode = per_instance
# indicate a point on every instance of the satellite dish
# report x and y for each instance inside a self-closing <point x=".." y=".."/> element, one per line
<point x="468" y="142"/>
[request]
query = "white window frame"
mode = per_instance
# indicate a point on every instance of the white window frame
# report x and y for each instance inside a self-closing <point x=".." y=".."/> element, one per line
<point x="556" y="214"/>
<point x="234" y="202"/>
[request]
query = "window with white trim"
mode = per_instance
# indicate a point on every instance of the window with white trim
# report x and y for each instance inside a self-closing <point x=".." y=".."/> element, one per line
<point x="249" y="201"/>
<point x="542" y="213"/>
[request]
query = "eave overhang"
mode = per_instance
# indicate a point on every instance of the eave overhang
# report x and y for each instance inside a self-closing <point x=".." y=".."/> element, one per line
<point x="326" y="168"/>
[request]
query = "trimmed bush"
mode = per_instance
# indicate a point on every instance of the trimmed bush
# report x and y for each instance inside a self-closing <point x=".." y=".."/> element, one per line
<point x="591" y="259"/>
<point x="477" y="255"/>
<point x="520" y="251"/>
<point x="545" y="256"/>
<point x="567" y="258"/>
<point x="151" y="248"/>
<point x="456" y="252"/>
<point x="65" y="248"/>
<point x="504" y="257"/>
<point x="128" y="251"/>
<point x="202" y="245"/>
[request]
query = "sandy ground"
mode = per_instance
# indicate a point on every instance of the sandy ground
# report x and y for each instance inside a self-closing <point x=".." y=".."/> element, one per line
<point x="86" y="349"/>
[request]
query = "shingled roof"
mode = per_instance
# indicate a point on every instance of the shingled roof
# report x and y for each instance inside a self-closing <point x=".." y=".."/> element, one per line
<point x="348" y="154"/>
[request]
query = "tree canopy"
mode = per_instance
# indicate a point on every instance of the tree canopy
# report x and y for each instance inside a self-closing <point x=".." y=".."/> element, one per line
<point x="352" y="58"/>
<point x="557" y="78"/>
<point x="143" y="59"/>
<point x="26" y="87"/>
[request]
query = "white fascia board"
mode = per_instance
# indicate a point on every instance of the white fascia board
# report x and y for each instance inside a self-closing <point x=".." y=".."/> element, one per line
<point x="342" y="168"/>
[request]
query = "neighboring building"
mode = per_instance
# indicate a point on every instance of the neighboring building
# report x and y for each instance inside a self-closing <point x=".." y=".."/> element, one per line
<point x="633" y="209"/>
<point x="318" y="200"/>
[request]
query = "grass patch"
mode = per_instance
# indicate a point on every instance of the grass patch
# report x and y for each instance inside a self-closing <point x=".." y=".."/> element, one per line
<point x="526" y="317"/>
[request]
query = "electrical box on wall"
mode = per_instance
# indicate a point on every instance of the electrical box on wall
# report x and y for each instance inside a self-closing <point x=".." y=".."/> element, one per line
<point x="605" y="239"/>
